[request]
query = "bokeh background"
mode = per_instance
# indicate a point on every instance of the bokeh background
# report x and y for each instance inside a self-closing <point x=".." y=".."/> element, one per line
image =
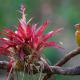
<point x="60" y="13"/>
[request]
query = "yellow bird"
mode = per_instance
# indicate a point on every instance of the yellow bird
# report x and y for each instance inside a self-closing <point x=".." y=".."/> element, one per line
<point x="77" y="34"/>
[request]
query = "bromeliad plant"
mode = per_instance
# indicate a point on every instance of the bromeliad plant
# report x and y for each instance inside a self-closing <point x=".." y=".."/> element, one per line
<point x="24" y="46"/>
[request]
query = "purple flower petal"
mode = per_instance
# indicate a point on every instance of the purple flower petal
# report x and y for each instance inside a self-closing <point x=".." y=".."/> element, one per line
<point x="21" y="55"/>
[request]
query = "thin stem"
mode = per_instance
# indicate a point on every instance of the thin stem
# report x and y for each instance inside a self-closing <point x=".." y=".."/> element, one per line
<point x="10" y="73"/>
<point x="23" y="71"/>
<point x="17" y="74"/>
<point x="69" y="56"/>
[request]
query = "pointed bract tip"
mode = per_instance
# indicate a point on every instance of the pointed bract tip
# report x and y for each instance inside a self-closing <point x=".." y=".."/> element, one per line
<point x="23" y="8"/>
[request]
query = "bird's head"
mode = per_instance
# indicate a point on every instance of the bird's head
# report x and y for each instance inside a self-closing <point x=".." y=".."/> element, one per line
<point x="77" y="26"/>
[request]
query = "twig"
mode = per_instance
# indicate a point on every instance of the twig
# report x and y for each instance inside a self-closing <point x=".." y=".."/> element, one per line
<point x="63" y="71"/>
<point x="64" y="60"/>
<point x="4" y="65"/>
<point x="54" y="69"/>
<point x="69" y="56"/>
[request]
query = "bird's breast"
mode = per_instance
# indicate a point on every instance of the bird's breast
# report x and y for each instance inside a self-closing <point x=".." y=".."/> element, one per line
<point x="77" y="36"/>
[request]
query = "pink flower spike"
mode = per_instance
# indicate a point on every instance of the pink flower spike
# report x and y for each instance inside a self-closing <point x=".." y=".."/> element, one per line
<point x="51" y="33"/>
<point x="34" y="27"/>
<point x="48" y="44"/>
<point x="11" y="34"/>
<point x="29" y="20"/>
<point x="42" y="28"/>
<point x="21" y="31"/>
<point x="28" y="31"/>
<point x="35" y="43"/>
<point x="23" y="19"/>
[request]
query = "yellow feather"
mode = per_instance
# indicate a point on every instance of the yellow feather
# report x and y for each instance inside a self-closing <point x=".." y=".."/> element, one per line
<point x="77" y="36"/>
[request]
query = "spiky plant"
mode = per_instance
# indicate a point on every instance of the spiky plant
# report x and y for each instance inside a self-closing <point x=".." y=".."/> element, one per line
<point x="24" y="46"/>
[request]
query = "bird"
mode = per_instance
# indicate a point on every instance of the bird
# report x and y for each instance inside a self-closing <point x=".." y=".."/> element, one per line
<point x="77" y="34"/>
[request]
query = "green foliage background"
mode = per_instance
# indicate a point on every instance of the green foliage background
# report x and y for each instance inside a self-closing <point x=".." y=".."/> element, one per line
<point x="60" y="13"/>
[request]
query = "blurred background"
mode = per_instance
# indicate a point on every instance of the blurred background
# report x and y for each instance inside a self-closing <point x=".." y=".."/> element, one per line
<point x="60" y="13"/>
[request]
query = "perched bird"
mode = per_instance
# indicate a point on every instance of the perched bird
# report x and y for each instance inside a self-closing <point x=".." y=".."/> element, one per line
<point x="77" y="34"/>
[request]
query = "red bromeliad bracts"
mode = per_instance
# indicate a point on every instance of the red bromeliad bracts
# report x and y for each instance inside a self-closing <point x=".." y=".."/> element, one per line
<point x="24" y="46"/>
